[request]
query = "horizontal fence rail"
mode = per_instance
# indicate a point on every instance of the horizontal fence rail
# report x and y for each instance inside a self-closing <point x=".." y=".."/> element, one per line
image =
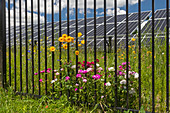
<point x="37" y="54"/>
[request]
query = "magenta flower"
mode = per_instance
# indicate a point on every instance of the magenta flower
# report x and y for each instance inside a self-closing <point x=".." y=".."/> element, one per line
<point x="78" y="76"/>
<point x="36" y="74"/>
<point x="42" y="71"/>
<point x="120" y="73"/>
<point x="96" y="77"/>
<point x="81" y="87"/>
<point x="109" y="76"/>
<point x="76" y="89"/>
<point x="48" y="71"/>
<point x="120" y="66"/>
<point x="124" y="63"/>
<point x="85" y="80"/>
<point x="40" y="80"/>
<point x="67" y="78"/>
<point x="84" y="72"/>
<point x="80" y="71"/>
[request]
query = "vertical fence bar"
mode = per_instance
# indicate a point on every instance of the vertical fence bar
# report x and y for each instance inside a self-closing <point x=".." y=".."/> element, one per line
<point x="139" y="35"/>
<point x="45" y="16"/>
<point x="68" y="52"/>
<point x="9" y="41"/>
<point x="15" y="72"/>
<point x="105" y="43"/>
<point x="26" y="44"/>
<point x="85" y="38"/>
<point x="52" y="3"/>
<point x="2" y="43"/>
<point x="95" y="56"/>
<point x="167" y="56"/>
<point x="60" y="45"/>
<point x="39" y="65"/>
<point x="32" y="45"/>
<point x="127" y="53"/>
<point x="153" y="72"/>
<point x="20" y="46"/>
<point x="115" y="4"/>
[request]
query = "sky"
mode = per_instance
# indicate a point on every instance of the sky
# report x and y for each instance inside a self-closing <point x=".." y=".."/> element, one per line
<point x="133" y="7"/>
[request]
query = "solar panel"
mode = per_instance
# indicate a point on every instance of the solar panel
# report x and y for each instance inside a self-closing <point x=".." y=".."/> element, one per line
<point x="144" y="15"/>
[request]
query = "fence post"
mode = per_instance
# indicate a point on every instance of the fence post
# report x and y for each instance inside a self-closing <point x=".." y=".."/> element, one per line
<point x="2" y="44"/>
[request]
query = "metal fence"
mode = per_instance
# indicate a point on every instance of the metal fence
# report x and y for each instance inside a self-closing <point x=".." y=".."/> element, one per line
<point x="4" y="45"/>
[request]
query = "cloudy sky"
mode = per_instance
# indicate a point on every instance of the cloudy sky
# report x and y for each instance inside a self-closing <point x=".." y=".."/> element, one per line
<point x="133" y="7"/>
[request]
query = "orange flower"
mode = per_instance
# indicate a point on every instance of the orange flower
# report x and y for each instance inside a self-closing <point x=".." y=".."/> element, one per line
<point x="68" y="39"/>
<point x="77" y="52"/>
<point x="52" y="48"/>
<point x="61" y="39"/>
<point x="79" y="45"/>
<point x="133" y="39"/>
<point x="64" y="35"/>
<point x="83" y="42"/>
<point x="79" y="34"/>
<point x="65" y="46"/>
<point x="72" y="38"/>
<point x="46" y="106"/>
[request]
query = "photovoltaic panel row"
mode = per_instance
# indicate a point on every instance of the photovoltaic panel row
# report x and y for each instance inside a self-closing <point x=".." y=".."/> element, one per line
<point x="160" y="26"/>
<point x="161" y="13"/>
<point x="144" y="15"/>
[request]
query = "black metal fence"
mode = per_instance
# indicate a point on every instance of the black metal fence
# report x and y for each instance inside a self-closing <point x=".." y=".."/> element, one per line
<point x="4" y="45"/>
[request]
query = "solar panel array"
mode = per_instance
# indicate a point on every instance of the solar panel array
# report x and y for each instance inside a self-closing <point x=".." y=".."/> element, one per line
<point x="160" y="23"/>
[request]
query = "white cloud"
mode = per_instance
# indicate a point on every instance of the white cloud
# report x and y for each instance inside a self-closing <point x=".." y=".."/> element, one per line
<point x="119" y="11"/>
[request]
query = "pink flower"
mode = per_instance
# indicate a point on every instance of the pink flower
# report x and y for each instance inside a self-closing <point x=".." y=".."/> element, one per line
<point x="120" y="73"/>
<point x="102" y="57"/>
<point x="105" y="84"/>
<point x="109" y="76"/>
<point x="92" y="63"/>
<point x="89" y="69"/>
<point x="67" y="78"/>
<point x="57" y="73"/>
<point x="77" y="84"/>
<point x="84" y="72"/>
<point x="102" y="96"/>
<point x="62" y="69"/>
<point x="42" y="71"/>
<point x="78" y="76"/>
<point x="36" y="74"/>
<point x="40" y="80"/>
<point x="76" y="89"/>
<point x="100" y="69"/>
<point x="81" y="87"/>
<point x="85" y="80"/>
<point x="96" y="77"/>
<point x="83" y="61"/>
<point x="48" y="71"/>
<point x="120" y="66"/>
<point x="80" y="71"/>
<point x="124" y="63"/>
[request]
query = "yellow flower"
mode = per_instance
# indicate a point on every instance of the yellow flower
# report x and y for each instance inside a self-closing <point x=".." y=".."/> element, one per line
<point x="79" y="34"/>
<point x="64" y="35"/>
<point x="77" y="52"/>
<point x="122" y="55"/>
<point x="148" y="52"/>
<point x="129" y="46"/>
<point x="133" y="39"/>
<point x="134" y="52"/>
<point x="47" y="38"/>
<point x="52" y="48"/>
<point x="134" y="57"/>
<point x="65" y="46"/>
<point x="72" y="39"/>
<point x="133" y="45"/>
<point x="79" y="45"/>
<point x="83" y="42"/>
<point x="41" y="40"/>
<point x="29" y="40"/>
<point x="61" y="39"/>
<point x="68" y="39"/>
<point x="119" y="56"/>
<point x="154" y="56"/>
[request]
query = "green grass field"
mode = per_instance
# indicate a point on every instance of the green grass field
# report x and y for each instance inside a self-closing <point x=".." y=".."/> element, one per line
<point x="10" y="102"/>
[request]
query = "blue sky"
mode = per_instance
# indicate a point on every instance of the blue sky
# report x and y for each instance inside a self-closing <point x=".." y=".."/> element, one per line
<point x="133" y="7"/>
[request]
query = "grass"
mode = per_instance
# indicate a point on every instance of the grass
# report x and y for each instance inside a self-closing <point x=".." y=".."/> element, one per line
<point x="146" y="78"/>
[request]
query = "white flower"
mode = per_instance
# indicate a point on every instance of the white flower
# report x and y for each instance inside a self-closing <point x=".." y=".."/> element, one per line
<point x="123" y="82"/>
<point x="124" y="87"/>
<point x="102" y="79"/>
<point x="52" y="81"/>
<point x="73" y="67"/>
<point x="111" y="69"/>
<point x="136" y="75"/>
<point x="162" y="53"/>
<point x="102" y="96"/>
<point x="108" y="84"/>
<point x="55" y="79"/>
<point x="97" y="65"/>
<point x="132" y="91"/>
